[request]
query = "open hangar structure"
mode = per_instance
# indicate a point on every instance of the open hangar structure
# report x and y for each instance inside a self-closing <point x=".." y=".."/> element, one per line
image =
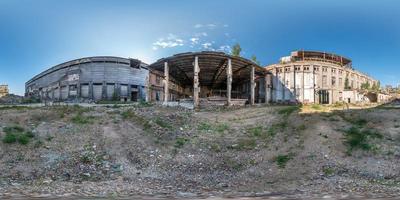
<point x="208" y="78"/>
<point x="91" y="79"/>
<point x="318" y="77"/>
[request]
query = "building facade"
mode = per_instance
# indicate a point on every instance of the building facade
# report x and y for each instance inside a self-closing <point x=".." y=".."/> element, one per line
<point x="3" y="90"/>
<point x="317" y="77"/>
<point x="91" y="79"/>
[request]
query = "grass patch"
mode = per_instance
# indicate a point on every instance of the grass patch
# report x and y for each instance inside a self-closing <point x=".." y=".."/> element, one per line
<point x="316" y="107"/>
<point x="80" y="119"/>
<point x="159" y="121"/>
<point x="218" y="127"/>
<point x="360" y="139"/>
<point x="288" y="110"/>
<point x="17" y="134"/>
<point x="130" y="114"/>
<point x="281" y="160"/>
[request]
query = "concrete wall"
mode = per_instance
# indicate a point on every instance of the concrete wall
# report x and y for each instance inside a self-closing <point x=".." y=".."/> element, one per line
<point x="96" y="78"/>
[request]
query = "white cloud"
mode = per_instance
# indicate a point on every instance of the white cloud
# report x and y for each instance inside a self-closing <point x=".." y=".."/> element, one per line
<point x="226" y="25"/>
<point x="198" y="26"/>
<point x="224" y="48"/>
<point x="194" y="40"/>
<point x="208" y="46"/>
<point x="201" y="34"/>
<point x="169" y="42"/>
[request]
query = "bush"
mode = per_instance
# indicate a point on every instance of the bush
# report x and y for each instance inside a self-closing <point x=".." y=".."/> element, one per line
<point x="10" y="138"/>
<point x="23" y="139"/>
<point x="281" y="160"/>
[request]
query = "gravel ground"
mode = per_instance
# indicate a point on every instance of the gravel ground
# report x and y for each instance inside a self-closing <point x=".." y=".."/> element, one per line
<point x="154" y="151"/>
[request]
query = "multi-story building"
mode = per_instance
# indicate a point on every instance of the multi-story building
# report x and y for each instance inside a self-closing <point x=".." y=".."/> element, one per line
<point x="317" y="77"/>
<point x="3" y="90"/>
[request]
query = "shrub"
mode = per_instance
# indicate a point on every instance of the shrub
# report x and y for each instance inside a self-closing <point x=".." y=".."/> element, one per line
<point x="10" y="138"/>
<point x="23" y="139"/>
<point x="13" y="129"/>
<point x="281" y="160"/>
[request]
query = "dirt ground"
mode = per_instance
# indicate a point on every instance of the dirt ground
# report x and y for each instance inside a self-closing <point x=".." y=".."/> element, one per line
<point x="153" y="150"/>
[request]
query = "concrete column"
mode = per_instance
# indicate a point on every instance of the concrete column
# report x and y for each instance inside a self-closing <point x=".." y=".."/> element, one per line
<point x="148" y="90"/>
<point x="196" y="84"/>
<point x="293" y="83"/>
<point x="90" y="96"/>
<point x="166" y="82"/>
<point x="252" y="85"/>
<point x="229" y="82"/>
<point x="302" y="83"/>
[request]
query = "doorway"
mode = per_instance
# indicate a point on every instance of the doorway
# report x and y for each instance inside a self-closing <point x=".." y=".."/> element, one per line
<point x="323" y="97"/>
<point x="134" y="96"/>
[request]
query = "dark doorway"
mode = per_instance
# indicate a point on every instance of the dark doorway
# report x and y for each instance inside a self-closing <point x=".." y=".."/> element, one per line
<point x="134" y="96"/>
<point x="323" y="97"/>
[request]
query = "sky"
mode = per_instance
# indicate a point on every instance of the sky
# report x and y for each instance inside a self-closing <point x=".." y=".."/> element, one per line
<point x="38" y="34"/>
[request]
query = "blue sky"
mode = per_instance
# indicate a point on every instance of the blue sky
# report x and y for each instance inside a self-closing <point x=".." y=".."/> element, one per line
<point x="38" y="34"/>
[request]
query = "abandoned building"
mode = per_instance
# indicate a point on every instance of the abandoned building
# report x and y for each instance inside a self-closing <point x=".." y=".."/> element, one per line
<point x="3" y="90"/>
<point x="317" y="77"/>
<point x="207" y="78"/>
<point x="91" y="79"/>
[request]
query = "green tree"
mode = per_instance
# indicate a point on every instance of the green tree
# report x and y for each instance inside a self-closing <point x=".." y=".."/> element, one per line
<point x="236" y="49"/>
<point x="254" y="59"/>
<point x="366" y="86"/>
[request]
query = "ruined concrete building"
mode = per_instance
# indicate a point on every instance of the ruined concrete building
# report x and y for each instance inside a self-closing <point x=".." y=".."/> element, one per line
<point x="91" y="79"/>
<point x="318" y="77"/>
<point x="207" y="78"/>
<point x="3" y="90"/>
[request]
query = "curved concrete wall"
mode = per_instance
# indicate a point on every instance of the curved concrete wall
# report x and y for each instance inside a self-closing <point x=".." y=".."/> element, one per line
<point x="93" y="78"/>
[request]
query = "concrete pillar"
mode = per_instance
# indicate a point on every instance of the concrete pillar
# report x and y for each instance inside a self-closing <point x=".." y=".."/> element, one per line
<point x="229" y="82"/>
<point x="91" y="91"/>
<point x="196" y="84"/>
<point x="166" y="82"/>
<point x="252" y="85"/>
<point x="148" y="90"/>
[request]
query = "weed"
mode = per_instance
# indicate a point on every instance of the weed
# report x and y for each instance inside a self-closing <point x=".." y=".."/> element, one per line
<point x="281" y="160"/>
<point x="180" y="142"/>
<point x="256" y="131"/>
<point x="13" y="129"/>
<point x="204" y="126"/>
<point x="38" y="143"/>
<point x="328" y="171"/>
